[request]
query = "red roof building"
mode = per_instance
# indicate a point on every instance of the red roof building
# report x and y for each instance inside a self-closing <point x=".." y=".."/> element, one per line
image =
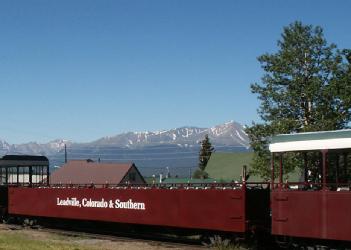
<point x="88" y="171"/>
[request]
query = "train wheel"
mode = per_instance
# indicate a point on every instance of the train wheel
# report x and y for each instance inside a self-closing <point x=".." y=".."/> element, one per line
<point x="284" y="242"/>
<point x="29" y="222"/>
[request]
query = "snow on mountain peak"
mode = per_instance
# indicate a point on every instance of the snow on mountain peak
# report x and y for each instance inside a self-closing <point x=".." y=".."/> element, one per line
<point x="229" y="133"/>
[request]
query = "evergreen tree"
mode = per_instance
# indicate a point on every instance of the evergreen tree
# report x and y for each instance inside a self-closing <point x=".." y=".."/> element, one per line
<point x="204" y="156"/>
<point x="306" y="87"/>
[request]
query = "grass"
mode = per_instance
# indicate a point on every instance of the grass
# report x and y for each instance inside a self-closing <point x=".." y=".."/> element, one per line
<point x="10" y="240"/>
<point x="219" y="243"/>
<point x="228" y="166"/>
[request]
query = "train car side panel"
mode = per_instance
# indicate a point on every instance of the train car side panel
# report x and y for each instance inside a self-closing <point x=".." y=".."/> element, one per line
<point x="212" y="209"/>
<point x="312" y="214"/>
<point x="338" y="215"/>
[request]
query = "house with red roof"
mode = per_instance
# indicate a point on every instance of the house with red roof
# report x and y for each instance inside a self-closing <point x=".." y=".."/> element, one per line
<point x="97" y="173"/>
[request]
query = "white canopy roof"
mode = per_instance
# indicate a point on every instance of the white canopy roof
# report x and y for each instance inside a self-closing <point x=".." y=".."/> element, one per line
<point x="337" y="139"/>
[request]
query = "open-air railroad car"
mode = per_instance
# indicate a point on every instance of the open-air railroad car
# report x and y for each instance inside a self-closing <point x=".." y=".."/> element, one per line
<point x="317" y="207"/>
<point x="314" y="210"/>
<point x="227" y="208"/>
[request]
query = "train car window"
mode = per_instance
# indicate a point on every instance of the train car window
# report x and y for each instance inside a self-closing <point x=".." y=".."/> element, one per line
<point x="24" y="170"/>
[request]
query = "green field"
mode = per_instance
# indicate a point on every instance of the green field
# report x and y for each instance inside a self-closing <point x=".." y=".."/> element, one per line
<point x="228" y="166"/>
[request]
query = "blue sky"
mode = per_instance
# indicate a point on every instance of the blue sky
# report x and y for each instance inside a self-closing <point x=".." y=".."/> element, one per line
<point x="81" y="70"/>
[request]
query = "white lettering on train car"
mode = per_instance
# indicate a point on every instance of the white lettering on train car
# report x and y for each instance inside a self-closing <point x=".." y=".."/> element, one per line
<point x="129" y="205"/>
<point x="72" y="202"/>
<point x="90" y="203"/>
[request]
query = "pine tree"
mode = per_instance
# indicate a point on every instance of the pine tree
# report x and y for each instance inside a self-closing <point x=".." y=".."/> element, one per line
<point x="306" y="87"/>
<point x="204" y="156"/>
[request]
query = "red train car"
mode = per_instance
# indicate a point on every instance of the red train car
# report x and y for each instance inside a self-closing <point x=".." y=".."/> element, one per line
<point x="320" y="214"/>
<point x="229" y="209"/>
<point x="318" y="206"/>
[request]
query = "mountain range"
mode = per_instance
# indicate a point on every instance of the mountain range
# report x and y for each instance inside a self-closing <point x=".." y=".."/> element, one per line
<point x="151" y="151"/>
<point x="227" y="134"/>
<point x="230" y="133"/>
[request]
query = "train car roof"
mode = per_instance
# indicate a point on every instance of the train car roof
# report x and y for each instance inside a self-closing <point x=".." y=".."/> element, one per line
<point x="23" y="160"/>
<point x="336" y="139"/>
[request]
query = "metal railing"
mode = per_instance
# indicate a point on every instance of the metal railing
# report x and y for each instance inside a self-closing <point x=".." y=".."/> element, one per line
<point x="313" y="186"/>
<point x="187" y="186"/>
